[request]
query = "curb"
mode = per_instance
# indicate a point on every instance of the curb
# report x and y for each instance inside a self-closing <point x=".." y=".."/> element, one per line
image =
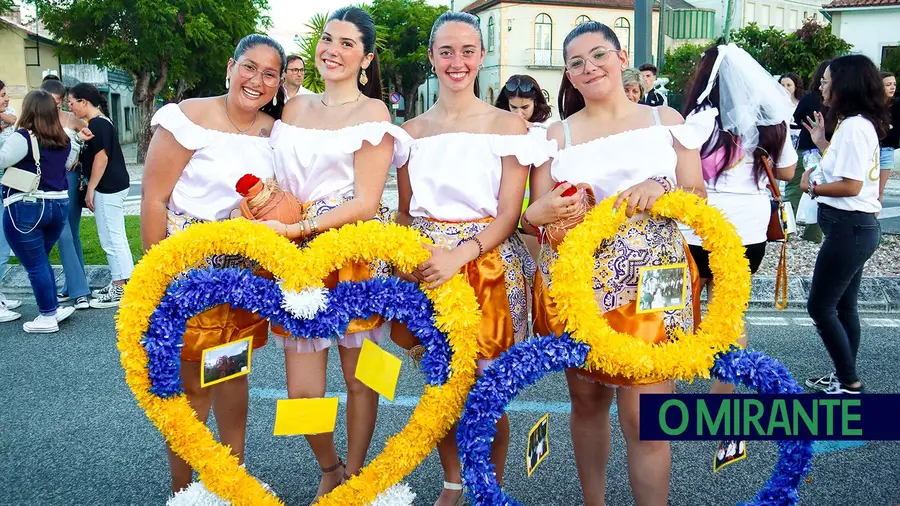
<point x="876" y="294"/>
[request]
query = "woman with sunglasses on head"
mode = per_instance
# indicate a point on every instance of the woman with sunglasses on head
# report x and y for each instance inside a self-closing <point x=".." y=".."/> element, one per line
<point x="75" y="286"/>
<point x="597" y="140"/>
<point x="848" y="201"/>
<point x="523" y="96"/>
<point x="198" y="152"/>
<point x="469" y="205"/>
<point x="333" y="152"/>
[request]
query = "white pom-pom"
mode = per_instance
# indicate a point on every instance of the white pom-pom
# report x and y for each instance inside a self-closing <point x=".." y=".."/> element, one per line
<point x="398" y="495"/>
<point x="196" y="494"/>
<point x="306" y="303"/>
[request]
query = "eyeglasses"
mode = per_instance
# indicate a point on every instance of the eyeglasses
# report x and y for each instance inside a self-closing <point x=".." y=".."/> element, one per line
<point x="249" y="71"/>
<point x="576" y="66"/>
<point x="296" y="71"/>
<point x="521" y="86"/>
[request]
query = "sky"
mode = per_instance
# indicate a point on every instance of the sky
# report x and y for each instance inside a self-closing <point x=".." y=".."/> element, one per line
<point x="289" y="17"/>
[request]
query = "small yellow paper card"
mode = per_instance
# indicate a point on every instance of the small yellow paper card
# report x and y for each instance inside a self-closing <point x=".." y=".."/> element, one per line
<point x="378" y="369"/>
<point x="300" y="417"/>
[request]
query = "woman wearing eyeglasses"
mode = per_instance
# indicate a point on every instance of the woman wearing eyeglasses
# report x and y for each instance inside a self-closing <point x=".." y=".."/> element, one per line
<point x="523" y="96"/>
<point x="198" y="153"/>
<point x="597" y="140"/>
<point x="333" y="152"/>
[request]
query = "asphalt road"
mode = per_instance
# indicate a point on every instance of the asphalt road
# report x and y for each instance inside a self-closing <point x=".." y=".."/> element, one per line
<point x="71" y="434"/>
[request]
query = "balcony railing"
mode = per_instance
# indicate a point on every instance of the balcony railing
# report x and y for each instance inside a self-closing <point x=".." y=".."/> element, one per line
<point x="544" y="58"/>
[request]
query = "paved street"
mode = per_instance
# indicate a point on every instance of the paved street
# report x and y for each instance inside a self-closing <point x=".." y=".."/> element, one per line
<point x="70" y="433"/>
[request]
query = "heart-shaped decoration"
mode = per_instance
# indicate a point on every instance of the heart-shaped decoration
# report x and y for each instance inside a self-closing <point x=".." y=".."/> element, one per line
<point x="156" y="383"/>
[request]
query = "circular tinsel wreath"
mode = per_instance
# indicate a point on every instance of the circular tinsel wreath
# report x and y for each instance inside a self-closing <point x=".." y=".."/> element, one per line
<point x="617" y="353"/>
<point x="527" y="362"/>
<point x="455" y="312"/>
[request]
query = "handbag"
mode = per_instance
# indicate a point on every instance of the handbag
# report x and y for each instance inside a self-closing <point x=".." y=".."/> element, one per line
<point x="23" y="180"/>
<point x="778" y="231"/>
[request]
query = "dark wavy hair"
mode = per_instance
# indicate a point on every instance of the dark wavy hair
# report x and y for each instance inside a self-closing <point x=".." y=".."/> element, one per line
<point x="257" y="39"/>
<point x="798" y="84"/>
<point x="817" y="77"/>
<point x="54" y="87"/>
<point x="857" y="89"/>
<point x="570" y="99"/>
<point x="90" y="93"/>
<point x="366" y="26"/>
<point x="771" y="138"/>
<point x="541" y="107"/>
<point x="457" y="17"/>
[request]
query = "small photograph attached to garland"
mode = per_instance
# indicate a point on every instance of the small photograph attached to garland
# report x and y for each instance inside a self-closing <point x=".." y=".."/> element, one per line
<point x="538" y="444"/>
<point x="225" y="362"/>
<point x="662" y="288"/>
<point x="729" y="452"/>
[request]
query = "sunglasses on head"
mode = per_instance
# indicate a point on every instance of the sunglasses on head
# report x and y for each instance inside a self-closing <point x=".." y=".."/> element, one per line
<point x="522" y="86"/>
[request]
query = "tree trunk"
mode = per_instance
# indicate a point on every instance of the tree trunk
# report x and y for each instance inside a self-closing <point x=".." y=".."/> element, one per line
<point x="145" y="91"/>
<point x="410" y="97"/>
<point x="180" y="88"/>
<point x="147" y="107"/>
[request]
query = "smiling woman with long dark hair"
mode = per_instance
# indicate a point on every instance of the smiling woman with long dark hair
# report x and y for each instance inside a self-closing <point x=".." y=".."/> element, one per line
<point x="848" y="198"/>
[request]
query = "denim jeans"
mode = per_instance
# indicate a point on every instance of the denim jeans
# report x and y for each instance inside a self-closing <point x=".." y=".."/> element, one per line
<point x="887" y="159"/>
<point x="109" y="210"/>
<point x="851" y="238"/>
<point x="70" y="253"/>
<point x="4" y="247"/>
<point x="32" y="229"/>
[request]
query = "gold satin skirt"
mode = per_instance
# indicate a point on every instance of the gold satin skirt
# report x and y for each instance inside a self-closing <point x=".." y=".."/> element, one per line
<point x="500" y="279"/>
<point x="642" y="243"/>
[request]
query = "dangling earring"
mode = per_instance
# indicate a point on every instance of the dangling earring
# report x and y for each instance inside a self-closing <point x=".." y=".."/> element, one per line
<point x="275" y="99"/>
<point x="481" y="67"/>
<point x="363" y="78"/>
<point x="227" y="83"/>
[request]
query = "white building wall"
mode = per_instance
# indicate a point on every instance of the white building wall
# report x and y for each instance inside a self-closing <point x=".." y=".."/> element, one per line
<point x="868" y="29"/>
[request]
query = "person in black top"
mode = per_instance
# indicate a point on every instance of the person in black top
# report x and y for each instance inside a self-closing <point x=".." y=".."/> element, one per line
<point x="891" y="141"/>
<point x="653" y="98"/>
<point x="103" y="165"/>
<point x="809" y="105"/>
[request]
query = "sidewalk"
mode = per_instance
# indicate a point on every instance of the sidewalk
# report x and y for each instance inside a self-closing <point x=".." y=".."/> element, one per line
<point x="877" y="294"/>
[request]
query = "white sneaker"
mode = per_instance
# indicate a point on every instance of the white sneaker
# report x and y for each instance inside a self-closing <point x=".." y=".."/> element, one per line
<point x="42" y="325"/>
<point x="64" y="312"/>
<point x="10" y="303"/>
<point x="7" y="316"/>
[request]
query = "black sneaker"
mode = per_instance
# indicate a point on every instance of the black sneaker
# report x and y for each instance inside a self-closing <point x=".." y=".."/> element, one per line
<point x="82" y="303"/>
<point x="822" y="384"/>
<point x="111" y="298"/>
<point x="838" y="388"/>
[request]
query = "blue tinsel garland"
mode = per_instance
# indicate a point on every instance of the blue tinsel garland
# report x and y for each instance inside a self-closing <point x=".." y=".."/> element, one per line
<point x="201" y="289"/>
<point x="527" y="362"/>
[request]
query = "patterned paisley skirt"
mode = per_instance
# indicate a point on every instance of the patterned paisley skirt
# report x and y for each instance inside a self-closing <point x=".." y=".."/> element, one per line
<point x="639" y="243"/>
<point x="375" y="328"/>
<point x="221" y="324"/>
<point x="502" y="282"/>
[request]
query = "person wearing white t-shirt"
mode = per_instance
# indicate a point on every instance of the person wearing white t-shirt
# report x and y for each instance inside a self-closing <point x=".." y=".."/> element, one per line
<point x="753" y="124"/>
<point x="293" y="77"/>
<point x="848" y="198"/>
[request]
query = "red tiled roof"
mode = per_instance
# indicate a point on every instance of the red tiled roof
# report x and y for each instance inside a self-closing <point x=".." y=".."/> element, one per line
<point x="849" y="4"/>
<point x="481" y="5"/>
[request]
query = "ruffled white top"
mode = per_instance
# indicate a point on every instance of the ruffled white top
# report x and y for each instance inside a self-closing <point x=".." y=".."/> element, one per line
<point x="456" y="176"/>
<point x="315" y="164"/>
<point x="205" y="189"/>
<point x="617" y="162"/>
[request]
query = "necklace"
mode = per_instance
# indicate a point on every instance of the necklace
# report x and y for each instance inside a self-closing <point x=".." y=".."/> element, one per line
<point x="232" y="122"/>
<point x="338" y="105"/>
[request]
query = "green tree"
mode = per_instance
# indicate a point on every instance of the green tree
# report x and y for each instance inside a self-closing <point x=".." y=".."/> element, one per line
<point x="312" y="80"/>
<point x="6" y="6"/>
<point x="160" y="43"/>
<point x="679" y="65"/>
<point x="404" y="59"/>
<point x="890" y="62"/>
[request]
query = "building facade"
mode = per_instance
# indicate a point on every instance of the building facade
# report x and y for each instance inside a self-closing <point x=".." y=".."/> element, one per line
<point x="872" y="26"/>
<point x="527" y="38"/>
<point x="25" y="58"/>
<point x="787" y="15"/>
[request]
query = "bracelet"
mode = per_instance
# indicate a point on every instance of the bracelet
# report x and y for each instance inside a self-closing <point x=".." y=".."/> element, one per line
<point x="812" y="189"/>
<point x="529" y="223"/>
<point x="313" y="225"/>
<point x="664" y="181"/>
<point x="480" y="246"/>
